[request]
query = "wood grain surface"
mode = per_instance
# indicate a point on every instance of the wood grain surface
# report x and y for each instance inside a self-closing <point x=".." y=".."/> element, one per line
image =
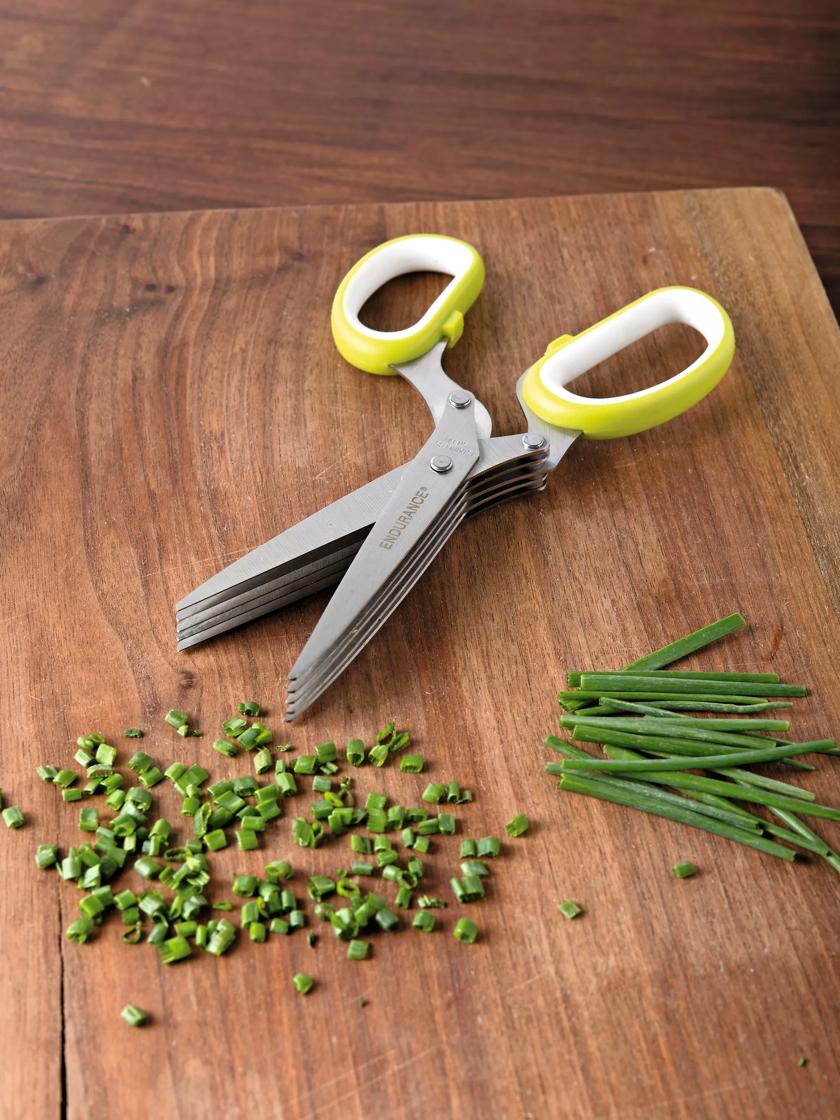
<point x="172" y="398"/>
<point x="109" y="106"/>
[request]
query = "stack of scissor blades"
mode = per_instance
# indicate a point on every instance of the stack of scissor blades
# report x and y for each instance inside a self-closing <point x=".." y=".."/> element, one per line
<point x="506" y="468"/>
<point x="315" y="553"/>
<point x="309" y="556"/>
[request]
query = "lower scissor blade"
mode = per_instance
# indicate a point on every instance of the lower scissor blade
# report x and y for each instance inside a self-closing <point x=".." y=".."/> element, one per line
<point x="419" y="502"/>
<point x="303" y="548"/>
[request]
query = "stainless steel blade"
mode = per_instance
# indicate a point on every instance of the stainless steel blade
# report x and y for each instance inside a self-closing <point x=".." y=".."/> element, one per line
<point x="340" y="523"/>
<point x="501" y="459"/>
<point x="282" y="593"/>
<point x="306" y="688"/>
<point x="427" y="488"/>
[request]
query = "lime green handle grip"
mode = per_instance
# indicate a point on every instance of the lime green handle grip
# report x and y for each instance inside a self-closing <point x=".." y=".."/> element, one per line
<point x="544" y="386"/>
<point x="381" y="351"/>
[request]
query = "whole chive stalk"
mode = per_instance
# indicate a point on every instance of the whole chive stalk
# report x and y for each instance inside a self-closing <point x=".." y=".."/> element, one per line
<point x="739" y="792"/>
<point x="683" y="729"/>
<point x="134" y="1016"/>
<point x="627" y="682"/>
<point x="737" y="773"/>
<point x="573" y="677"/>
<point x="691" y="643"/>
<point x="592" y="787"/>
<point x="673" y="709"/>
<point x="726" y="813"/>
<point x="580" y="697"/>
<point x="700" y="762"/>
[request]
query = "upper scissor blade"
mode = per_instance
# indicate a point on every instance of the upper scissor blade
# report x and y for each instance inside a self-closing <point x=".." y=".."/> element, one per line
<point x="314" y="538"/>
<point x="423" y="494"/>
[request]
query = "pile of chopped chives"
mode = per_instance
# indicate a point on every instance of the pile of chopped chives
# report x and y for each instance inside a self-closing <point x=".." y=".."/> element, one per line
<point x="173" y="910"/>
<point x="661" y="759"/>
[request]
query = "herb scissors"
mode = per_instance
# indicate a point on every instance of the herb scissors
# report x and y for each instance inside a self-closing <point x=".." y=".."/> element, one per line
<point x="377" y="541"/>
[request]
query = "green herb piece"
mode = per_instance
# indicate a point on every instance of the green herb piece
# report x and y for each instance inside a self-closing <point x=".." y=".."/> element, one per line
<point x="79" y="930"/>
<point x="278" y="870"/>
<point x="698" y="639"/>
<point x="570" y="909"/>
<point x="465" y="931"/>
<point x="305" y="764"/>
<point x="133" y="733"/>
<point x="106" y="755"/>
<point x="175" y="718"/>
<point x="684" y="870"/>
<point x="174" y="949"/>
<point x="613" y="792"/>
<point x="303" y="983"/>
<point x="13" y="817"/>
<point x="424" y="921"/>
<point x="412" y="764"/>
<point x="355" y="752"/>
<point x="629" y="682"/>
<point x="226" y="748"/>
<point x="802" y="1062"/>
<point x="434" y="793"/>
<point x="71" y="795"/>
<point x="488" y="847"/>
<point x="47" y="773"/>
<point x="518" y="825"/>
<point x="263" y="761"/>
<point x="134" y="1016"/>
<point x="234" y="727"/>
<point x="88" y="820"/>
<point x="147" y="867"/>
<point x="250" y="912"/>
<point x="387" y="920"/>
<point x="64" y="779"/>
<point x="278" y="925"/>
<point x="215" y="840"/>
<point x="46" y="855"/>
<point x="429" y="902"/>
<point x="248" y="708"/>
<point x="358" y="950"/>
<point x="150" y="776"/>
<point x="708" y="762"/>
<point x="247" y="839"/>
<point x="378" y="754"/>
<point x="320" y="886"/>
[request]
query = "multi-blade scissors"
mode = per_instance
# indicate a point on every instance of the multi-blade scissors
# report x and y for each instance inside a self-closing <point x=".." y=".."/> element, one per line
<point x="377" y="541"/>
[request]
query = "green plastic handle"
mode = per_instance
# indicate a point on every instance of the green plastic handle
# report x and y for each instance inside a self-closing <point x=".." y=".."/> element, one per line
<point x="544" y="386"/>
<point x="381" y="351"/>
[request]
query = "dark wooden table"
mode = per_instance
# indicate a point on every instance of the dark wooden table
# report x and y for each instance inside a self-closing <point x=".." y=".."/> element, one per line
<point x="112" y="106"/>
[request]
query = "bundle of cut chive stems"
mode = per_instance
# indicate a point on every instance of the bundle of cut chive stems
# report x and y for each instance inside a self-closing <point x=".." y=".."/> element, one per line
<point x="641" y="716"/>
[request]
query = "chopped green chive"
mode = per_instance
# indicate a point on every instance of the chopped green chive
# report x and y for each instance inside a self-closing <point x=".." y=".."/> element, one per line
<point x="133" y="733"/>
<point x="412" y="764"/>
<point x="570" y="909"/>
<point x="465" y="931"/>
<point x="518" y="825"/>
<point x="89" y="820"/>
<point x="248" y="708"/>
<point x="175" y="718"/>
<point x="802" y="1062"/>
<point x="424" y="920"/>
<point x="46" y="855"/>
<point x="358" y="950"/>
<point x="433" y="793"/>
<point x="134" y="1016"/>
<point x="684" y="870"/>
<point x="13" y="817"/>
<point x="303" y="983"/>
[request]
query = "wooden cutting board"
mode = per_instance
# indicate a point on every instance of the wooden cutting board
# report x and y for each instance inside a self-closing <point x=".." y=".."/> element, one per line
<point x="171" y="398"/>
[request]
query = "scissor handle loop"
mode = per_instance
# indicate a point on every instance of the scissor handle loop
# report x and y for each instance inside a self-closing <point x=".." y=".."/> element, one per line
<point x="544" y="386"/>
<point x="380" y="351"/>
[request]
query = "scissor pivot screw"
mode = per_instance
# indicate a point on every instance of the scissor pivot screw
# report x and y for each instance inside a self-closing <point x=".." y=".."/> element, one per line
<point x="441" y="464"/>
<point x="460" y="398"/>
<point x="533" y="441"/>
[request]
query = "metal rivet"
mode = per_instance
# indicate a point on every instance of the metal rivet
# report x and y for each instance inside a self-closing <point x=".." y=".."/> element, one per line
<point x="533" y="441"/>
<point x="441" y="464"/>
<point x="460" y="398"/>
